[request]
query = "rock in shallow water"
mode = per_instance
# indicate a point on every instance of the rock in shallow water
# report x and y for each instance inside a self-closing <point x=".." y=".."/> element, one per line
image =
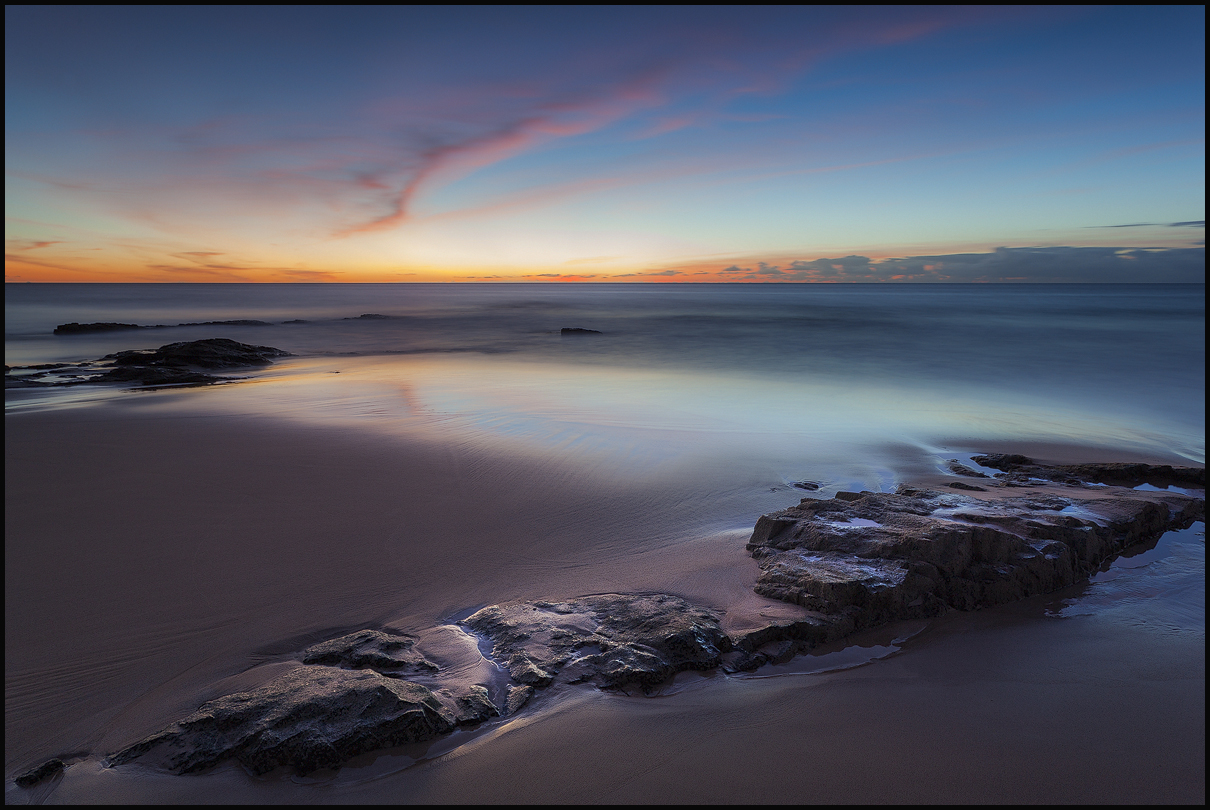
<point x="868" y="558"/>
<point x="177" y="364"/>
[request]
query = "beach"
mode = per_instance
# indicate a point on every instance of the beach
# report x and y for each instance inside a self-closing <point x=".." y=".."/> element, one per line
<point x="165" y="548"/>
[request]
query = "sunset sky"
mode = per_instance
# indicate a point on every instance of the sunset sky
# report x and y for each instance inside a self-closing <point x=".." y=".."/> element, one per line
<point x="712" y="143"/>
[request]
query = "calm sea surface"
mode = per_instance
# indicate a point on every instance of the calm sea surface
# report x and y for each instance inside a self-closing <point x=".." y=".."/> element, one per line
<point x="1116" y="365"/>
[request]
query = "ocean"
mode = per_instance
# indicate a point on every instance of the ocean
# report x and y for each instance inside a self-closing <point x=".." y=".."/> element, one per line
<point x="1117" y="365"/>
<point x="428" y="449"/>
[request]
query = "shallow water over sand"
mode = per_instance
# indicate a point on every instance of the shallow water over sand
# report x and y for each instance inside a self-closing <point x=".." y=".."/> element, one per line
<point x="399" y="472"/>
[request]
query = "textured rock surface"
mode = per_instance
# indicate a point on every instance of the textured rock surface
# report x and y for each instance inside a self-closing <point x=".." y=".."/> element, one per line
<point x="1020" y="469"/>
<point x="866" y="558"/>
<point x="388" y="654"/>
<point x="310" y="718"/>
<point x="612" y="640"/>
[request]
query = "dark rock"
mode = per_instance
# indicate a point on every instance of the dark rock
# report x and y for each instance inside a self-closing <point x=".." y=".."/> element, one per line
<point x="867" y="558"/>
<point x="211" y="353"/>
<point x="809" y="486"/>
<point x="1020" y="468"/>
<point x="962" y="469"/>
<point x="612" y="640"/>
<point x="968" y="487"/>
<point x="475" y="707"/>
<point x="391" y="655"/>
<point x="296" y="320"/>
<point x="311" y="718"/>
<point x="518" y="696"/>
<point x="369" y="316"/>
<point x="47" y="770"/>
<point x="575" y="330"/>
<point x="156" y="376"/>
<point x="83" y="328"/>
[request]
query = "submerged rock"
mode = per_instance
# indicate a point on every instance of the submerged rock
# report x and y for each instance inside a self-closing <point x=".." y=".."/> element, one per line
<point x="575" y="330"/>
<point x="612" y="640"/>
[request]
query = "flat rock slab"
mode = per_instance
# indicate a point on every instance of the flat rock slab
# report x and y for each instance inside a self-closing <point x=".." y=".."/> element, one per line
<point x="612" y="640"/>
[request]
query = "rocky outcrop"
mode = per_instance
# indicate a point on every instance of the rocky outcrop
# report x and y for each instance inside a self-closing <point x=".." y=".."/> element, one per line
<point x="311" y="718"/>
<point x="88" y="328"/>
<point x="185" y="363"/>
<point x="612" y="640"/>
<point x="575" y="330"/>
<point x="213" y="353"/>
<point x="347" y="698"/>
<point x="852" y="561"/>
<point x="865" y="558"/>
<point x="1017" y="469"/>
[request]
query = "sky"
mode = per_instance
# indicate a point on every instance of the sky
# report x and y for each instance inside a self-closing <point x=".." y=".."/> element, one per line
<point x="577" y="143"/>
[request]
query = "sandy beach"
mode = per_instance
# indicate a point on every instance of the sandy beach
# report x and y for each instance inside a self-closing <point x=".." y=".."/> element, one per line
<point x="155" y="556"/>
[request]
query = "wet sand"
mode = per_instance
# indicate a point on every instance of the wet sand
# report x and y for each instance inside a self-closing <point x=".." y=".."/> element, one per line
<point x="150" y="554"/>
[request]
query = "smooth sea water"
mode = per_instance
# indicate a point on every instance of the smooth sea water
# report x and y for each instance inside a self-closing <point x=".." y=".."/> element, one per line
<point x="1115" y="365"/>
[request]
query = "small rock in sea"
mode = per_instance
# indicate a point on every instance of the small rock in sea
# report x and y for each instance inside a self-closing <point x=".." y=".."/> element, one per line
<point x="962" y="469"/>
<point x="809" y="486"/>
<point x="575" y="330"/>
<point x="82" y="328"/>
<point x="228" y="323"/>
<point x="209" y="353"/>
<point x="47" y="770"/>
<point x="370" y="316"/>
